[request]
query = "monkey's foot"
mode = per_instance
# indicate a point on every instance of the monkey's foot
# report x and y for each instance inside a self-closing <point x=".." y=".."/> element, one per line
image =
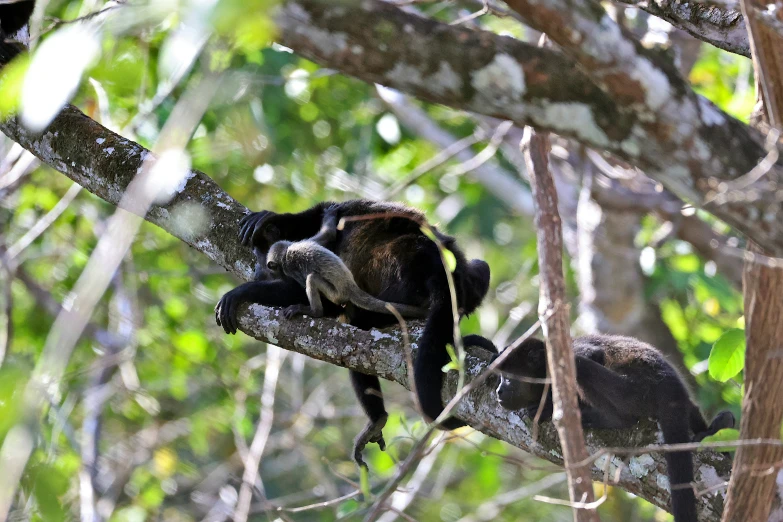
<point x="372" y="432"/>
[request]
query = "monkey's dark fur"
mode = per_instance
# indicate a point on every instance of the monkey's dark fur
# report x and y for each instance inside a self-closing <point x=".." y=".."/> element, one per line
<point x="320" y="271"/>
<point x="391" y="259"/>
<point x="621" y="380"/>
<point x="13" y="17"/>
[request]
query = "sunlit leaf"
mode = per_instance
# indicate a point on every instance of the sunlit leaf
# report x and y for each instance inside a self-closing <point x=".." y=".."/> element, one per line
<point x="453" y="363"/>
<point x="727" y="357"/>
<point x="165" y="461"/>
<point x="724" y="435"/>
<point x="11" y="81"/>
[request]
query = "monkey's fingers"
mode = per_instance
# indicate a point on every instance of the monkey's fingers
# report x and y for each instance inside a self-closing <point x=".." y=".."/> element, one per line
<point x="372" y="432"/>
<point x="252" y="223"/>
<point x="217" y="313"/>
<point x="381" y="443"/>
<point x="224" y="311"/>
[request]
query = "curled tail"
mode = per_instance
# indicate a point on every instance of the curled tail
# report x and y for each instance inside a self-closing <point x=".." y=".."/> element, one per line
<point x="679" y="463"/>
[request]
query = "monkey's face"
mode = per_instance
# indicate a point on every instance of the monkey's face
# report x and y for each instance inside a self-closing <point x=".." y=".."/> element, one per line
<point x="276" y="256"/>
<point x="260" y="273"/>
<point x="520" y="376"/>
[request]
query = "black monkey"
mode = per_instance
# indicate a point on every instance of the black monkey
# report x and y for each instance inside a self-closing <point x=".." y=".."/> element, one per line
<point x="321" y="272"/>
<point x="13" y="17"/>
<point x="392" y="260"/>
<point x="621" y="380"/>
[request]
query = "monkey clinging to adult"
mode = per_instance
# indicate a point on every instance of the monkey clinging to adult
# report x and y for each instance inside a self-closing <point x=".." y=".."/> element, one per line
<point x="391" y="259"/>
<point x="320" y="271"/>
<point x="621" y="380"/>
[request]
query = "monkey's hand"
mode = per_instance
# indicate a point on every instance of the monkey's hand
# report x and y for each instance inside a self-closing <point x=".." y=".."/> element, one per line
<point x="226" y="309"/>
<point x="294" y="310"/>
<point x="372" y="432"/>
<point x="257" y="225"/>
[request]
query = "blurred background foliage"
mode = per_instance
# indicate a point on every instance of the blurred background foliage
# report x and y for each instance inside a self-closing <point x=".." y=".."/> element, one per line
<point x="283" y="134"/>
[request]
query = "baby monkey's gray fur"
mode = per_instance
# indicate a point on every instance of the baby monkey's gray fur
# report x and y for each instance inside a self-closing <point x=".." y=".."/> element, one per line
<point x="321" y="271"/>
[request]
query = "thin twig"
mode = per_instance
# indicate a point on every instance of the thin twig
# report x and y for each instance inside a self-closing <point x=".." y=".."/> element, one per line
<point x="275" y="357"/>
<point x="44" y="223"/>
<point x="435" y="161"/>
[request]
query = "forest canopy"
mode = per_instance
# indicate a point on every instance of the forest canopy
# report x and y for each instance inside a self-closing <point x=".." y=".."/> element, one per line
<point x="137" y="134"/>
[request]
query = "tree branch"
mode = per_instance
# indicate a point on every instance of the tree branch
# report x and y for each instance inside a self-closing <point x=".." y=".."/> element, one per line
<point x="381" y="353"/>
<point x="104" y="163"/>
<point x="719" y="25"/>
<point x="654" y="120"/>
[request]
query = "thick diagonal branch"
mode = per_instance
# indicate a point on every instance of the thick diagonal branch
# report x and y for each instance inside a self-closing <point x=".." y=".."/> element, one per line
<point x="650" y="116"/>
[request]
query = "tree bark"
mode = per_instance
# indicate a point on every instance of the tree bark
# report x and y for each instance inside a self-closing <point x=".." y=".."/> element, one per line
<point x="654" y="122"/>
<point x="554" y="313"/>
<point x="757" y="468"/>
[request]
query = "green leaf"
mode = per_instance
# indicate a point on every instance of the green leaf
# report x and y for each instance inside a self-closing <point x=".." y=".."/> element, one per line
<point x="453" y="363"/>
<point x="727" y="357"/>
<point x="346" y="508"/>
<point x="724" y="435"/>
<point x="11" y="78"/>
<point x="194" y="344"/>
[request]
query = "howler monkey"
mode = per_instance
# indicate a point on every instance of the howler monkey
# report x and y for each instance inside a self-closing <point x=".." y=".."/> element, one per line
<point x="13" y="17"/>
<point x="391" y="259"/>
<point x="621" y="380"/>
<point x="320" y="271"/>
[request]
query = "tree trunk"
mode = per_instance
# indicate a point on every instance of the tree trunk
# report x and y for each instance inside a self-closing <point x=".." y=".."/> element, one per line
<point x="755" y="472"/>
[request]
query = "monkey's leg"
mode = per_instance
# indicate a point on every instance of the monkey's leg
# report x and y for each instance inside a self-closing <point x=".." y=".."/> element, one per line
<point x="724" y="419"/>
<point x="368" y="391"/>
<point x="614" y="400"/>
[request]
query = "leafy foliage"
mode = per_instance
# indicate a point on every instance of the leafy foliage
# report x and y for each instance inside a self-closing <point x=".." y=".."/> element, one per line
<point x="184" y="402"/>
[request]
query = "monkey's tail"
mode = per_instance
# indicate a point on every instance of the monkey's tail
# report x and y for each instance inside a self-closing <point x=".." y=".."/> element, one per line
<point x="679" y="463"/>
<point x="366" y="301"/>
<point x="432" y="356"/>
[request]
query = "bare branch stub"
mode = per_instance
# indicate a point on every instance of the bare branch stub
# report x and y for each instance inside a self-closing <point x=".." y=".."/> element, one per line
<point x="560" y="356"/>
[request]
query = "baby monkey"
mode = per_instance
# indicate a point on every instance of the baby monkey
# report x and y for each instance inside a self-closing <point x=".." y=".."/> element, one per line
<point x="321" y="271"/>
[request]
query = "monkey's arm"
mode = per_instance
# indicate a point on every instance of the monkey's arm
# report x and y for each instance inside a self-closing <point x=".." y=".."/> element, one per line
<point x="614" y="401"/>
<point x="327" y="235"/>
<point x="263" y="228"/>
<point x="277" y="292"/>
